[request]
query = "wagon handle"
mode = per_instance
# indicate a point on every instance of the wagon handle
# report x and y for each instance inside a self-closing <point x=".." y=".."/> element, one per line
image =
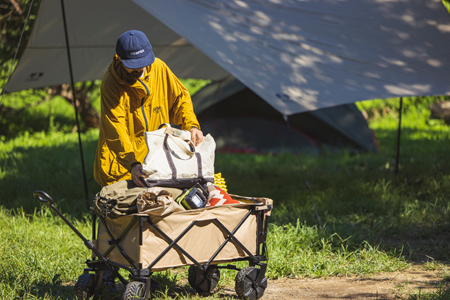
<point x="45" y="198"/>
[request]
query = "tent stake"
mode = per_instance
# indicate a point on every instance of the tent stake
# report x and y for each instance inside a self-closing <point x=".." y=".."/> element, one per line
<point x="74" y="102"/>
<point x="398" y="134"/>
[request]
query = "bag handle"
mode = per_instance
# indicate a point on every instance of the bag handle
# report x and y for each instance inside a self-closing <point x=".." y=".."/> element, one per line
<point x="170" y="152"/>
<point x="172" y="133"/>
<point x="164" y="124"/>
<point x="182" y="145"/>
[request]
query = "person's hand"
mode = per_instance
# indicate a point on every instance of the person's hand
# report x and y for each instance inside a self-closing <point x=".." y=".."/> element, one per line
<point x="196" y="136"/>
<point x="137" y="174"/>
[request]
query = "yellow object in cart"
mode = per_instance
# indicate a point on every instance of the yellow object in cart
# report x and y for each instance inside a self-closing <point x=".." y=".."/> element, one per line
<point x="220" y="182"/>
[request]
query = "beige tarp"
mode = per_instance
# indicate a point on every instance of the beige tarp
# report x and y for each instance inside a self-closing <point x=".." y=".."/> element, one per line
<point x="201" y="242"/>
<point x="296" y="55"/>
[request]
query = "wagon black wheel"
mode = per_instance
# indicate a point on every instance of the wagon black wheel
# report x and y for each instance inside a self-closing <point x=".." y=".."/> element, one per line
<point x="203" y="281"/>
<point x="246" y="286"/>
<point x="84" y="288"/>
<point x="135" y="290"/>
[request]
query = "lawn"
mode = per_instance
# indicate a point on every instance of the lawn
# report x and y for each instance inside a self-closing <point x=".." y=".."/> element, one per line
<point x="372" y="219"/>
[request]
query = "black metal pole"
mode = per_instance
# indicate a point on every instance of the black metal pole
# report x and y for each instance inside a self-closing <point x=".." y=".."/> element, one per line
<point x="74" y="102"/>
<point x="398" y="134"/>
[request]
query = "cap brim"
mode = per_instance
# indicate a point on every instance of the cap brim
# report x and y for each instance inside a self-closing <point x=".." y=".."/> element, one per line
<point x="139" y="62"/>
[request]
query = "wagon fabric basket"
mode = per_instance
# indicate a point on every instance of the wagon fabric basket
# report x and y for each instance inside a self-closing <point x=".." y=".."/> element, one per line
<point x="163" y="236"/>
<point x="212" y="235"/>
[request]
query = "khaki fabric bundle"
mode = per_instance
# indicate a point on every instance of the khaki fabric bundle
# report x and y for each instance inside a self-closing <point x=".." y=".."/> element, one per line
<point x="120" y="199"/>
<point x="157" y="202"/>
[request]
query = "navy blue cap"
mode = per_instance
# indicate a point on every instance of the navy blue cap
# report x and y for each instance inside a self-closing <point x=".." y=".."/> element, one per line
<point x="135" y="50"/>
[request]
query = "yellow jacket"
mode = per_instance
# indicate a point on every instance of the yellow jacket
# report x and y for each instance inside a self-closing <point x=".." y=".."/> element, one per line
<point x="159" y="94"/>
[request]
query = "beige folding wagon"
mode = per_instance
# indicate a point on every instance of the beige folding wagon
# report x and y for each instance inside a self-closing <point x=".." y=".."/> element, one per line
<point x="205" y="239"/>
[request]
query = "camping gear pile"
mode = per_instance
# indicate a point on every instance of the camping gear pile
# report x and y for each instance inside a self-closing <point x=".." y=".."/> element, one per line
<point x="189" y="221"/>
<point x="124" y="198"/>
<point x="164" y="235"/>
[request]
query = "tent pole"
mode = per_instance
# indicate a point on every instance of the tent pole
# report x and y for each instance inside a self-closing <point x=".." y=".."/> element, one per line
<point x="398" y="134"/>
<point x="74" y="102"/>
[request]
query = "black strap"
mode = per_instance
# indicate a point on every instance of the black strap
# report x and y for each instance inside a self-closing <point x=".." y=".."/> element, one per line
<point x="166" y="145"/>
<point x="172" y="166"/>
<point x="169" y="158"/>
<point x="199" y="164"/>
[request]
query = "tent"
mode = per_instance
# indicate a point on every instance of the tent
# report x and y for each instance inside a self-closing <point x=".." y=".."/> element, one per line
<point x="240" y="121"/>
<point x="301" y="55"/>
<point x="296" y="55"/>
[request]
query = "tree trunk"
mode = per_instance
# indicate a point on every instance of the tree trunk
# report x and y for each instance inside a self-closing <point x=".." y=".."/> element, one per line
<point x="88" y="114"/>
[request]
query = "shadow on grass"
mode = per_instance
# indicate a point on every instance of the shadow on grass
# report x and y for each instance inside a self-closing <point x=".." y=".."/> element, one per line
<point x="443" y="293"/>
<point x="29" y="121"/>
<point x="56" y="170"/>
<point x="54" y="289"/>
<point x="355" y="194"/>
<point x="359" y="195"/>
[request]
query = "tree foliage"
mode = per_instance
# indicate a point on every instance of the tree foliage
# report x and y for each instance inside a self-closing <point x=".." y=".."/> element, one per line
<point x="13" y="14"/>
<point x="13" y="17"/>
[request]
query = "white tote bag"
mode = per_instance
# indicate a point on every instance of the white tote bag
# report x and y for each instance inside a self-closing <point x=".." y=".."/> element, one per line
<point x="173" y="161"/>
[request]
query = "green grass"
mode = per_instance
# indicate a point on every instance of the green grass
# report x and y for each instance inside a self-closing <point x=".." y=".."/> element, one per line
<point x="373" y="220"/>
<point x="38" y="253"/>
<point x="443" y="293"/>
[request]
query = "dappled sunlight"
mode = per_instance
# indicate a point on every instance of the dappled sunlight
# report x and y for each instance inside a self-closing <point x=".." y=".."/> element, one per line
<point x="395" y="62"/>
<point x="321" y="55"/>
<point x="179" y="42"/>
<point x="408" y="89"/>
<point x="435" y="62"/>
<point x="308" y="97"/>
<point x="241" y="3"/>
<point x="324" y="51"/>
<point x="304" y="61"/>
<point x="344" y="50"/>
